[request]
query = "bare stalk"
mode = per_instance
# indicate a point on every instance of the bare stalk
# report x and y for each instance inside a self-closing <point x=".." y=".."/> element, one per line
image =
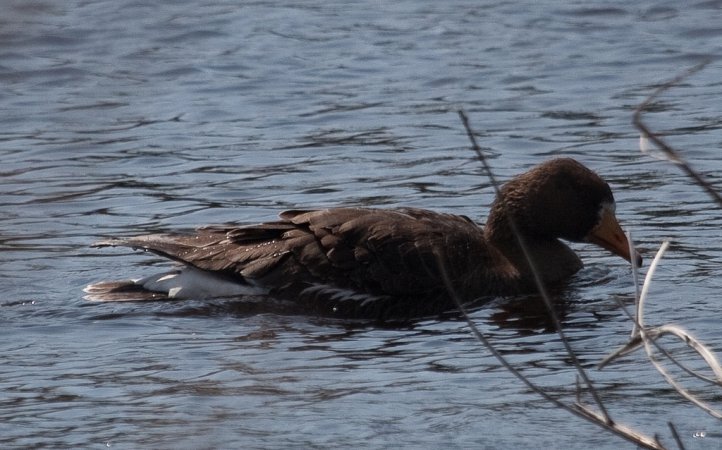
<point x="577" y="409"/>
<point x="641" y="336"/>
<point x="671" y="153"/>
<point x="648" y="283"/>
<point x="601" y="418"/>
<point x="532" y="265"/>
<point x="649" y="336"/>
<point x="675" y="435"/>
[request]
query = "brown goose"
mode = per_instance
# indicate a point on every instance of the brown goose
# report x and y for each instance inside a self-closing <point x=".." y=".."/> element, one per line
<point x="380" y="263"/>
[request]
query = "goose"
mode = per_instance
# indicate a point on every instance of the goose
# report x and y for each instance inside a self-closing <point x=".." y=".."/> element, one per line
<point x="389" y="263"/>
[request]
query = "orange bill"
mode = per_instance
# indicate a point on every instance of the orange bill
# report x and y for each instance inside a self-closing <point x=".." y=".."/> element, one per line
<point x="609" y="235"/>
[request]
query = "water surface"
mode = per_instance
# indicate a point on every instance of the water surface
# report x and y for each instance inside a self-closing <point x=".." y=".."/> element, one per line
<point x="121" y="117"/>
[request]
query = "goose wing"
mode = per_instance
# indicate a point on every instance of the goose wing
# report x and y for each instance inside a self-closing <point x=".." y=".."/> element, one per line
<point x="371" y="251"/>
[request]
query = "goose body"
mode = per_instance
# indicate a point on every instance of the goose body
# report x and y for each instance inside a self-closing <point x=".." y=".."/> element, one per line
<point x="383" y="263"/>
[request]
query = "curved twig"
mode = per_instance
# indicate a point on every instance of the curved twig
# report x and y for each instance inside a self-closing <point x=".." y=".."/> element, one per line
<point x="579" y="410"/>
<point x="647" y="337"/>
<point x="670" y="153"/>
<point x="601" y="418"/>
<point x="537" y="278"/>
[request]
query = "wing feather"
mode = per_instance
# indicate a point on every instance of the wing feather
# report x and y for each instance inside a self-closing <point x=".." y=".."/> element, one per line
<point x="372" y="251"/>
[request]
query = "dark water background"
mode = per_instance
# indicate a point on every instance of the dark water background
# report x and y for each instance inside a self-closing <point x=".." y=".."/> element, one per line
<point x="121" y="117"/>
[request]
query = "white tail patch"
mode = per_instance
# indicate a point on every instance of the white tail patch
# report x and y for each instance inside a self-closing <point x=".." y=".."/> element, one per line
<point x="185" y="283"/>
<point x="190" y="282"/>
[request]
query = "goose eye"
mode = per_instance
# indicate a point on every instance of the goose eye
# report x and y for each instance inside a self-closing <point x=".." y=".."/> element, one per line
<point x="607" y="206"/>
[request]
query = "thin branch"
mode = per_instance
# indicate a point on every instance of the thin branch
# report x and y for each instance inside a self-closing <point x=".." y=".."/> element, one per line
<point x="648" y="337"/>
<point x="601" y="418"/>
<point x="692" y="342"/>
<point x="635" y="340"/>
<point x="675" y="435"/>
<point x="670" y="153"/>
<point x="672" y="382"/>
<point x="648" y="283"/>
<point x="532" y="265"/>
<point x="635" y="279"/>
<point x="577" y="409"/>
<point x="653" y="335"/>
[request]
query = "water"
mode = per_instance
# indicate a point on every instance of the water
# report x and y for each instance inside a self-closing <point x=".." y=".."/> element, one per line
<point x="123" y="117"/>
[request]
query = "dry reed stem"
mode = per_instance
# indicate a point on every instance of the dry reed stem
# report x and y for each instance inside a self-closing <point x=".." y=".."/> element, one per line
<point x="675" y="435"/>
<point x="648" y="283"/>
<point x="648" y="342"/>
<point x="601" y="418"/>
<point x="640" y="336"/>
<point x="671" y="154"/>
<point x="636" y="340"/>
<point x="541" y="288"/>
<point x="648" y="337"/>
<point x="579" y="410"/>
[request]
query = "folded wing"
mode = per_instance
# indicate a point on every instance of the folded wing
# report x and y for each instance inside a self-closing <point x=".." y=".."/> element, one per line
<point x="342" y="254"/>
